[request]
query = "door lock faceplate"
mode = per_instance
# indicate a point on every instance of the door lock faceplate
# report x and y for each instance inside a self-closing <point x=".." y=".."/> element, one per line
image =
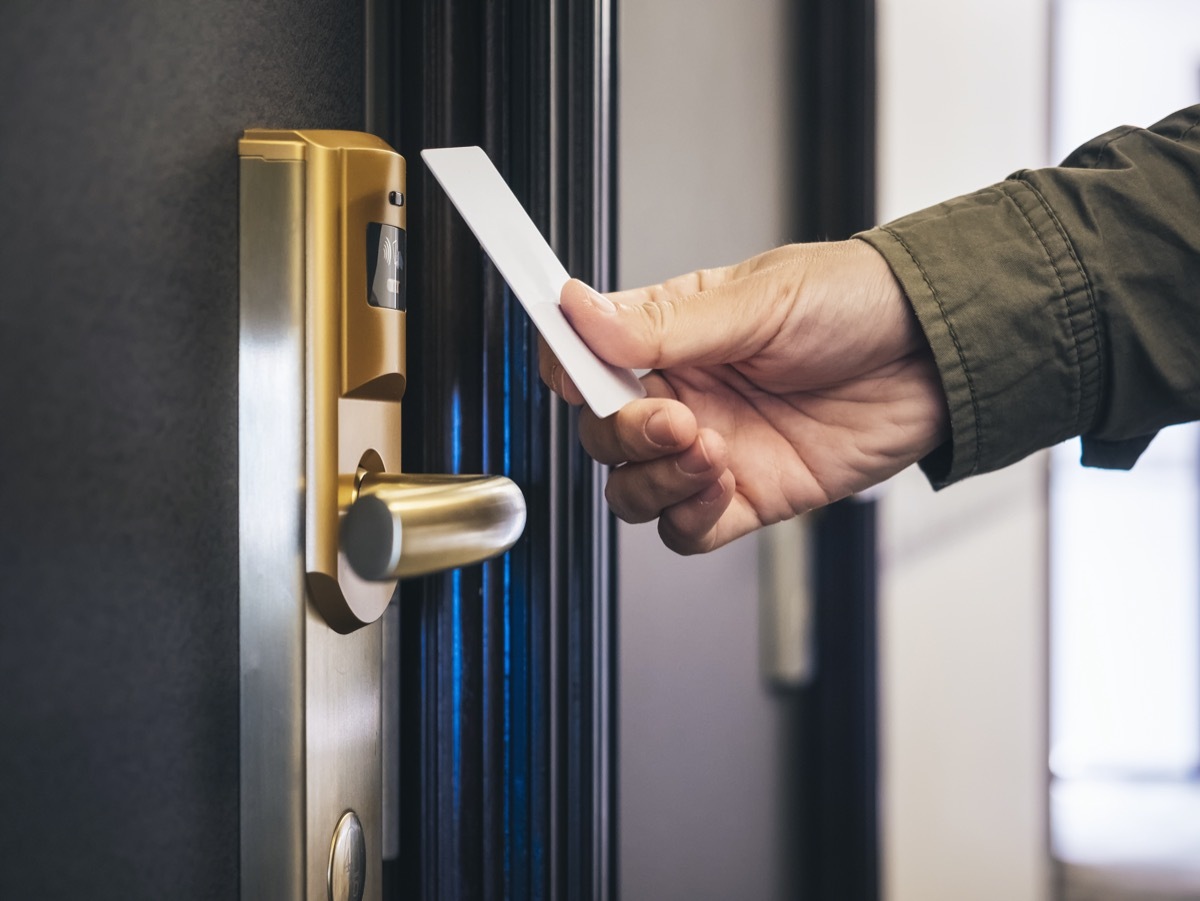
<point x="327" y="524"/>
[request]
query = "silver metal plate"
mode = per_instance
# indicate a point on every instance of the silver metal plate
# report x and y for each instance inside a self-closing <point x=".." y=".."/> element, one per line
<point x="310" y="698"/>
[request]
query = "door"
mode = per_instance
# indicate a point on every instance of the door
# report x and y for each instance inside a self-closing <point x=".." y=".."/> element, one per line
<point x="119" y="661"/>
<point x="118" y="335"/>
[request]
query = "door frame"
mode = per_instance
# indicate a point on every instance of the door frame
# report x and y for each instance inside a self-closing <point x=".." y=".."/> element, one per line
<point x="507" y="733"/>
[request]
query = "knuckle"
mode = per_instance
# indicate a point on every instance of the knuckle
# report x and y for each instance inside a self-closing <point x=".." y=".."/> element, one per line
<point x="613" y="441"/>
<point x="682" y="532"/>
<point x="675" y="539"/>
<point x="657" y="317"/>
<point x="613" y="498"/>
<point x="594" y="448"/>
<point x="547" y="369"/>
<point x="616" y="499"/>
<point x="663" y="480"/>
<point x="626" y="498"/>
<point x="596" y="440"/>
<point x="626" y="443"/>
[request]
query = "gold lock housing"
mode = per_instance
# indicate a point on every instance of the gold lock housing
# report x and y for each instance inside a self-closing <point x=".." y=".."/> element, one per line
<point x="365" y="524"/>
<point x="355" y="359"/>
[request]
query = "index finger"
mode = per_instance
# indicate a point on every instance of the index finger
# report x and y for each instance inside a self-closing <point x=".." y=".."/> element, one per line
<point x="642" y="430"/>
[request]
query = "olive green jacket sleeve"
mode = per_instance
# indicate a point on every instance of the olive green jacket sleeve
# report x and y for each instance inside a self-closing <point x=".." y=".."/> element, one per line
<point x="1063" y="301"/>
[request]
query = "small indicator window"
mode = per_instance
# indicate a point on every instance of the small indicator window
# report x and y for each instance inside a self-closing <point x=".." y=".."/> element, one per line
<point x="386" y="246"/>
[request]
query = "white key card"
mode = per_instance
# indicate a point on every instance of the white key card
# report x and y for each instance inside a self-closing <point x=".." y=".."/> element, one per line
<point x="531" y="269"/>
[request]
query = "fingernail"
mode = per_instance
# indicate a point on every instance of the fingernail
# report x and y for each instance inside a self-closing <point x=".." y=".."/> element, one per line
<point x="659" y="430"/>
<point x="599" y="301"/>
<point x="694" y="460"/>
<point x="711" y="493"/>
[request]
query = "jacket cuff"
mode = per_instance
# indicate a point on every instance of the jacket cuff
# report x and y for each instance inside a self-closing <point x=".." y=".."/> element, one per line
<point x="1009" y="314"/>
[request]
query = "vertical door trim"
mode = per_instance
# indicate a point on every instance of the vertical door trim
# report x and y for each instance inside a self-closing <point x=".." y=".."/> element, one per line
<point x="835" y="718"/>
<point x="507" y="779"/>
<point x="270" y="527"/>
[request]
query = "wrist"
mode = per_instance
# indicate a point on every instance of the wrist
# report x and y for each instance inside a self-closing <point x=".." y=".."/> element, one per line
<point x="900" y="330"/>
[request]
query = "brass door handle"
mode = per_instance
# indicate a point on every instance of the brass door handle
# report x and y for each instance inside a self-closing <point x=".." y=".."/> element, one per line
<point x="413" y="525"/>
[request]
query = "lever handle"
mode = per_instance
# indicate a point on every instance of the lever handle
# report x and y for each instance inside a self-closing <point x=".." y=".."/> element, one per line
<point x="413" y="525"/>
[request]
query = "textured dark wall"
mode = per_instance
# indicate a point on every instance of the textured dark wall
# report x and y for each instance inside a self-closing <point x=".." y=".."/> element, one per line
<point x="118" y="423"/>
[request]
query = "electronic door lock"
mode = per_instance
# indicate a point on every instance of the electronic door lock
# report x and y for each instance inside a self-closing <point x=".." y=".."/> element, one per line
<point x="365" y="524"/>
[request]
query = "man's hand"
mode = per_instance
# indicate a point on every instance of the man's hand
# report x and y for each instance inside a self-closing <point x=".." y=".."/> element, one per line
<point x="781" y="384"/>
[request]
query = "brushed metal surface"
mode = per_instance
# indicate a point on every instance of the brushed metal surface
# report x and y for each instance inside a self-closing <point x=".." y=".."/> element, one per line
<point x="310" y="697"/>
<point x="270" y="523"/>
<point x="343" y="747"/>
<point x="389" y="700"/>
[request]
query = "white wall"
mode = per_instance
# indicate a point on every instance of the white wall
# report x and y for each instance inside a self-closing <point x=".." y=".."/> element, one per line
<point x="703" y="175"/>
<point x="963" y="102"/>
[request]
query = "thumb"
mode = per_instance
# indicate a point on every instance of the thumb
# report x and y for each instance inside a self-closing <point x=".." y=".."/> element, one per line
<point x="708" y="317"/>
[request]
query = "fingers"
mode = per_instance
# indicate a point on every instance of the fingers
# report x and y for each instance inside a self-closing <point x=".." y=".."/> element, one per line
<point x="639" y="492"/>
<point x="694" y="526"/>
<point x="667" y="468"/>
<point x="641" y="430"/>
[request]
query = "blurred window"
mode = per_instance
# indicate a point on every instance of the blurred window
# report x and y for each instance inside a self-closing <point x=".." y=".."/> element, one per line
<point x="1125" y="547"/>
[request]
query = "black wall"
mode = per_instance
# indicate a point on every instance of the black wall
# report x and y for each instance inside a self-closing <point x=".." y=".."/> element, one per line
<point x="118" y="423"/>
